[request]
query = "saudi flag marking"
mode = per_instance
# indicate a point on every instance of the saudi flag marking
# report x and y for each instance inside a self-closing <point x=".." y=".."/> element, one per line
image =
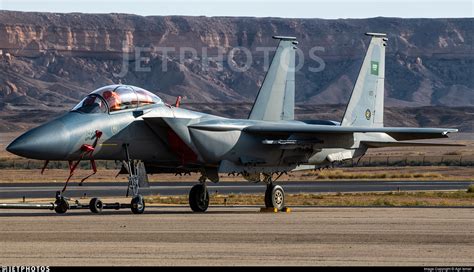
<point x="374" y="68"/>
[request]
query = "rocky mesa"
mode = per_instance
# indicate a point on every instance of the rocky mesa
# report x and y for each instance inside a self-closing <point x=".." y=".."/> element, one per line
<point x="49" y="61"/>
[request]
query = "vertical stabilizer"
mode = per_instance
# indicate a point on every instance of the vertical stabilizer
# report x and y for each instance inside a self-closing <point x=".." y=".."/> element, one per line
<point x="276" y="98"/>
<point x="365" y="108"/>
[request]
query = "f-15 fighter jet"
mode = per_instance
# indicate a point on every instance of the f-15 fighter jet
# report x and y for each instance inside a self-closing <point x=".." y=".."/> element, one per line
<point x="130" y="124"/>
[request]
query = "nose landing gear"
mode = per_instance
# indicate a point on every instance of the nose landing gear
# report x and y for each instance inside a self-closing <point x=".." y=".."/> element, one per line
<point x="60" y="205"/>
<point x="138" y="204"/>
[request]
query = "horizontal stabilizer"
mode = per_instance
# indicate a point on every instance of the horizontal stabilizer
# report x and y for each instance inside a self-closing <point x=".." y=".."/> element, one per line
<point x="398" y="133"/>
<point x="396" y="144"/>
<point x="286" y="128"/>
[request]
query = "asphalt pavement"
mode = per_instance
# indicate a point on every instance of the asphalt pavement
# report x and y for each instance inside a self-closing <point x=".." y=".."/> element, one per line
<point x="104" y="189"/>
<point x="241" y="236"/>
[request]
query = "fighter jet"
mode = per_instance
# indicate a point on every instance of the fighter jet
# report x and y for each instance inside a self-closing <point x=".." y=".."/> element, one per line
<point x="130" y="124"/>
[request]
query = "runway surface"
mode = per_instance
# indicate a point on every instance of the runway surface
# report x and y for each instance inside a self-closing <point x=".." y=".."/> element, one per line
<point x="45" y="190"/>
<point x="240" y="236"/>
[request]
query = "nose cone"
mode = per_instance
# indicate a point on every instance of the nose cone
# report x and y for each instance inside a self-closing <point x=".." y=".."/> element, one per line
<point x="47" y="142"/>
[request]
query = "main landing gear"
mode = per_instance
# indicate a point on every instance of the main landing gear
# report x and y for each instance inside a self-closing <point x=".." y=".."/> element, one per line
<point x="274" y="197"/>
<point x="199" y="198"/>
<point x="274" y="194"/>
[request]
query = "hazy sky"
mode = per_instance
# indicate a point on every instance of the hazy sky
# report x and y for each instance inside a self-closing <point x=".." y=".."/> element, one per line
<point x="330" y="9"/>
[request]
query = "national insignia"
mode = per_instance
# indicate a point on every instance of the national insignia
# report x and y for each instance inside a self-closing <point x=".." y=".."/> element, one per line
<point x="368" y="114"/>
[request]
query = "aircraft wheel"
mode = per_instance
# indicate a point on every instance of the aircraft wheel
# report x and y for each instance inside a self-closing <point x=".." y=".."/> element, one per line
<point x="96" y="205"/>
<point x="199" y="198"/>
<point x="268" y="196"/>
<point x="138" y="204"/>
<point x="61" y="205"/>
<point x="275" y="197"/>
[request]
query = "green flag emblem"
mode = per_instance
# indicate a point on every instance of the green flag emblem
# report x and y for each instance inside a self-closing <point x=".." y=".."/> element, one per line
<point x="374" y="68"/>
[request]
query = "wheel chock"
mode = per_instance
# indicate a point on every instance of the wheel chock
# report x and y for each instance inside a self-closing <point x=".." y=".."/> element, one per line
<point x="286" y="209"/>
<point x="268" y="210"/>
<point x="275" y="210"/>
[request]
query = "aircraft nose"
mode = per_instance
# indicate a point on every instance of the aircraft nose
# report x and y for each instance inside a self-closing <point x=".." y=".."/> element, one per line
<point x="47" y="142"/>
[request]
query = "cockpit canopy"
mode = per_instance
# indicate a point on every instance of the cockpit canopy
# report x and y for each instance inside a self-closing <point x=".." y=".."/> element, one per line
<point x="114" y="98"/>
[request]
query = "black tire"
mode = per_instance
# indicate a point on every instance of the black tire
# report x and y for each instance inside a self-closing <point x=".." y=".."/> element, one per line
<point x="138" y="204"/>
<point x="268" y="197"/>
<point x="96" y="205"/>
<point x="199" y="198"/>
<point x="275" y="197"/>
<point x="61" y="205"/>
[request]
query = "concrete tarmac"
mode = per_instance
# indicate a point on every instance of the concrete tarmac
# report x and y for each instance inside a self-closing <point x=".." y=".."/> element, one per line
<point x="240" y="236"/>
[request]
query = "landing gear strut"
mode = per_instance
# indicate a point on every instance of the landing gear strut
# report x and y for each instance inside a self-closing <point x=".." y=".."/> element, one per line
<point x="137" y="203"/>
<point x="199" y="198"/>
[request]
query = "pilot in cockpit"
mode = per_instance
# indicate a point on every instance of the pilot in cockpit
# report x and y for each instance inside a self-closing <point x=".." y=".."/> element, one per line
<point x="113" y="99"/>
